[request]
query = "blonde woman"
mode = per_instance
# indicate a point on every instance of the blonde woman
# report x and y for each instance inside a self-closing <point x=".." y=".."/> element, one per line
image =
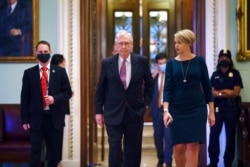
<point x="186" y="93"/>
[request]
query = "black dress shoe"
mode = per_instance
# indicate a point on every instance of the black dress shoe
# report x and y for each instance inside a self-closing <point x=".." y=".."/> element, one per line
<point x="212" y="165"/>
<point x="160" y="164"/>
<point x="168" y="165"/>
<point x="227" y="165"/>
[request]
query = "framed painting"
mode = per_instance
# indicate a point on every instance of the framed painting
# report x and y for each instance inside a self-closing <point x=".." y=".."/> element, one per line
<point x="243" y="23"/>
<point x="18" y="30"/>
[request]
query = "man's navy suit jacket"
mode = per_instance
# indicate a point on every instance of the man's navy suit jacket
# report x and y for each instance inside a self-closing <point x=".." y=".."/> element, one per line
<point x="112" y="99"/>
<point x="31" y="96"/>
<point x="154" y="111"/>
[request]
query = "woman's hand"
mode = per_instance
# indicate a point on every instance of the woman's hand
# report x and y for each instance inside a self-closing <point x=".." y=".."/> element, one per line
<point x="211" y="119"/>
<point x="26" y="126"/>
<point x="167" y="118"/>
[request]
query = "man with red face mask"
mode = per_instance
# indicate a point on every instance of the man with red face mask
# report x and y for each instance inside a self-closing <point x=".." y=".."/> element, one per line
<point x="226" y="84"/>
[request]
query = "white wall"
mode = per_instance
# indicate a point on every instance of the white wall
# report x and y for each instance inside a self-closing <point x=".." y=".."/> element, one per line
<point x="221" y="33"/>
<point x="11" y="73"/>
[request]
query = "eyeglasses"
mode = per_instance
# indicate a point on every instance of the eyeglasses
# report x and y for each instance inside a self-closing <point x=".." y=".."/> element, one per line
<point x="123" y="43"/>
<point x="43" y="52"/>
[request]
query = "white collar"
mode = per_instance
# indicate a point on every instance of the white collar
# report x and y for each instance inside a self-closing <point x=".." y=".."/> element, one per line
<point x="48" y="66"/>
<point x="128" y="59"/>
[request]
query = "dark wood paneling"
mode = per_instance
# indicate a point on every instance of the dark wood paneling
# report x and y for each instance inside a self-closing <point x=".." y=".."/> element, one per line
<point x="123" y="5"/>
<point x="169" y="6"/>
<point x="184" y="14"/>
<point x="199" y="27"/>
<point x="85" y="53"/>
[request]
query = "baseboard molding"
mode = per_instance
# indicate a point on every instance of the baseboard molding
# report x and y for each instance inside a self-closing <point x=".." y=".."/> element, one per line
<point x="70" y="163"/>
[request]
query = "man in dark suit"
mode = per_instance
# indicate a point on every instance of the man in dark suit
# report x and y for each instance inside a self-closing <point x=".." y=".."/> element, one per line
<point x="43" y="115"/>
<point x="123" y="92"/>
<point x="59" y="60"/>
<point x="162" y="137"/>
<point x="15" y="23"/>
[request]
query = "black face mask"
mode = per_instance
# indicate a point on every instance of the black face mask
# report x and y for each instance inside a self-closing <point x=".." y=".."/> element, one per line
<point x="224" y="63"/>
<point x="43" y="57"/>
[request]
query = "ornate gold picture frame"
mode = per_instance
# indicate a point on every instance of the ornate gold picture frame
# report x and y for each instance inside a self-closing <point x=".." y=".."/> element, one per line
<point x="243" y="22"/>
<point x="18" y="30"/>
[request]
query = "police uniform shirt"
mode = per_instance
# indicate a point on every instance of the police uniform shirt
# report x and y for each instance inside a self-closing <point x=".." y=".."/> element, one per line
<point x="228" y="80"/>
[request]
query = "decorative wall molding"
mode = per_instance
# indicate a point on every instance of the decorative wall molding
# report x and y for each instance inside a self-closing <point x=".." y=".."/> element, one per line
<point x="216" y="31"/>
<point x="216" y="39"/>
<point x="215" y="48"/>
<point x="71" y="118"/>
<point x="211" y="35"/>
<point x="69" y="46"/>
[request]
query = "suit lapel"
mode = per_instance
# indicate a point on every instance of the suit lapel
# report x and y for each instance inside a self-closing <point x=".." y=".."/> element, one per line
<point x="134" y="68"/>
<point x="115" y="69"/>
<point x="114" y="66"/>
<point x="51" y="76"/>
<point x="37" y="80"/>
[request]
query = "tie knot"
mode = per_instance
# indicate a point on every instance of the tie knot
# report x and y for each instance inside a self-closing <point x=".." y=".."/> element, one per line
<point x="44" y="69"/>
<point x="124" y="61"/>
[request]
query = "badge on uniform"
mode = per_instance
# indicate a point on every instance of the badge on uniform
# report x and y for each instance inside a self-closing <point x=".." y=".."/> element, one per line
<point x="230" y="74"/>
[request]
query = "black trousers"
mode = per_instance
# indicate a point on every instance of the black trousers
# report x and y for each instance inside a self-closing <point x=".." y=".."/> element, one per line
<point x="48" y="134"/>
<point x="229" y="117"/>
<point x="128" y="134"/>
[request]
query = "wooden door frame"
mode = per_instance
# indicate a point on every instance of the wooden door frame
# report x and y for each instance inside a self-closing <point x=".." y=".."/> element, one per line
<point x="85" y="53"/>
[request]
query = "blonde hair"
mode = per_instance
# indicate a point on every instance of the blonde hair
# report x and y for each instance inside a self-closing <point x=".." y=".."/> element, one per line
<point x="186" y="36"/>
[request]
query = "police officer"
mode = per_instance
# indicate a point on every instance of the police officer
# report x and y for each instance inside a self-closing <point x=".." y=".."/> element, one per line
<point x="226" y="85"/>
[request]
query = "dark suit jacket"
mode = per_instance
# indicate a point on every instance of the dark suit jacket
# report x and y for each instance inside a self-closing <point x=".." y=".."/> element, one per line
<point x="20" y="18"/>
<point x="154" y="104"/>
<point x="111" y="97"/>
<point x="31" y="96"/>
